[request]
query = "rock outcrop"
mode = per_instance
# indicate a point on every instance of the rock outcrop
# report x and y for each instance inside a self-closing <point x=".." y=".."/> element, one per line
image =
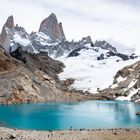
<point x="52" y="28"/>
<point x="126" y="85"/>
<point x="86" y="40"/>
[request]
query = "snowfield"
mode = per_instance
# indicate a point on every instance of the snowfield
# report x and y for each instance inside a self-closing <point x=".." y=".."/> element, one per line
<point x="89" y="73"/>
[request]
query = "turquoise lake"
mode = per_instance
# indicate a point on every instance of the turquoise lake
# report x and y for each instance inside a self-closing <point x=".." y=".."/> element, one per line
<point x="62" y="116"/>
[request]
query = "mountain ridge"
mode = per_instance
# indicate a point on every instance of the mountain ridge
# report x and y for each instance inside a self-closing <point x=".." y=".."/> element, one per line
<point x="94" y="60"/>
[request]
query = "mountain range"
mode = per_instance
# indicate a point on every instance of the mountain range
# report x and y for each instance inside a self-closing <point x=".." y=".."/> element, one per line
<point x="45" y="66"/>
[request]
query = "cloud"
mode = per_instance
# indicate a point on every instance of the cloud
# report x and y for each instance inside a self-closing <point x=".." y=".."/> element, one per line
<point x="102" y="19"/>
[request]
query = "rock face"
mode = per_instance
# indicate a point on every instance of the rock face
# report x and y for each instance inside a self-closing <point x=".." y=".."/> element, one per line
<point x="105" y="45"/>
<point x="52" y="28"/>
<point x="126" y="85"/>
<point x="6" y="63"/>
<point x="39" y="61"/>
<point x="10" y="22"/>
<point x="7" y="33"/>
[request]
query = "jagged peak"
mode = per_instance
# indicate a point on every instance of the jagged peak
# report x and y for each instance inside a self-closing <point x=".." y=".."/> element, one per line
<point x="52" y="28"/>
<point x="10" y="22"/>
<point x="105" y="45"/>
<point x="51" y="18"/>
<point x="87" y="38"/>
<point x="52" y="15"/>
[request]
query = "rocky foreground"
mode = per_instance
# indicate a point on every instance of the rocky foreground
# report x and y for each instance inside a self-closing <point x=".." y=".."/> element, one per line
<point x="110" y="134"/>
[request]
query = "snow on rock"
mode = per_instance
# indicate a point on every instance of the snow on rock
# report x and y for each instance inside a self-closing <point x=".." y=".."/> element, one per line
<point x="43" y="38"/>
<point x="132" y="91"/>
<point x="22" y="41"/>
<point x="120" y="79"/>
<point x="34" y="50"/>
<point x="128" y="98"/>
<point x="89" y="73"/>
<point x="132" y="84"/>
<point x="114" y="86"/>
<point x="137" y="100"/>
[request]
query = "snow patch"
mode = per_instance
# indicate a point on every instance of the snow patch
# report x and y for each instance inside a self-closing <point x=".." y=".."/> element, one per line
<point x="128" y="98"/>
<point x="120" y="79"/>
<point x="22" y="41"/>
<point x="132" y="84"/>
<point x="114" y="86"/>
<point x="44" y="39"/>
<point x="131" y="70"/>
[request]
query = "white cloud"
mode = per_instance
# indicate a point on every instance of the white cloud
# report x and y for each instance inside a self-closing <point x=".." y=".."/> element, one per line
<point x="102" y="19"/>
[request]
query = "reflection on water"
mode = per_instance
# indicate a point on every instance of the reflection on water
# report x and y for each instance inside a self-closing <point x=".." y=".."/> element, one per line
<point x="91" y="114"/>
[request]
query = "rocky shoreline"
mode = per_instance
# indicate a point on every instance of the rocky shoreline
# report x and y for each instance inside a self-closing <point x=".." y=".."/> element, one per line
<point x="82" y="134"/>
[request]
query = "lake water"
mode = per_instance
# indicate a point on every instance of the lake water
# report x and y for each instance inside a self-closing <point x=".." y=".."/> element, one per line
<point x="53" y="116"/>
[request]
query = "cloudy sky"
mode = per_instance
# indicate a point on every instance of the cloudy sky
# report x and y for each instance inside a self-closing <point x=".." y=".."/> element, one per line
<point x="115" y="20"/>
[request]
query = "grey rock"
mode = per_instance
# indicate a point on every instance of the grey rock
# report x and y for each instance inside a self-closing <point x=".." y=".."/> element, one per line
<point x="52" y="28"/>
<point x="7" y="33"/>
<point x="105" y="45"/>
<point x="85" y="40"/>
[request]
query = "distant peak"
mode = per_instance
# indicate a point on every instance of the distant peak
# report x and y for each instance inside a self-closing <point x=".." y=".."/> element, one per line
<point x="52" y="18"/>
<point x="52" y="28"/>
<point x="10" y="22"/>
<point x="11" y="17"/>
<point x="52" y="15"/>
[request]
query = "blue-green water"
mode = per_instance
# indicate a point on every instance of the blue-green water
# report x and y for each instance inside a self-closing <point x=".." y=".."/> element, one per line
<point x="53" y="116"/>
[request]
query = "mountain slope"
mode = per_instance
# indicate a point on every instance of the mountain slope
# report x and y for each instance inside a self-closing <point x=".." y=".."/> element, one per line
<point x="32" y="79"/>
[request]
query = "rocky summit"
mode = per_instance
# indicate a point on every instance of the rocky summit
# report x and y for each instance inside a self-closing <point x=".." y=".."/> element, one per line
<point x="7" y="33"/>
<point x="52" y="28"/>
